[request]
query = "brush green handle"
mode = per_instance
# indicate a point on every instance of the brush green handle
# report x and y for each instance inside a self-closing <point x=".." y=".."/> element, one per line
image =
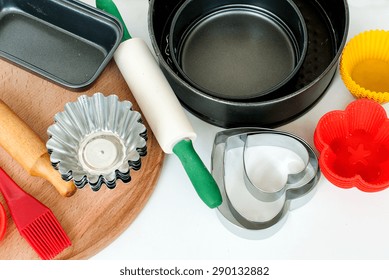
<point x="198" y="174"/>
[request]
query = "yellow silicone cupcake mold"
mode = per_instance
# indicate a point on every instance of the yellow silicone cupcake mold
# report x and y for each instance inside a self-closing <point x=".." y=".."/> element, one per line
<point x="364" y="65"/>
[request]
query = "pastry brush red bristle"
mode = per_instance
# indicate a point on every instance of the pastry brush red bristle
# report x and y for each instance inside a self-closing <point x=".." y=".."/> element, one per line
<point x="34" y="221"/>
<point x="46" y="236"/>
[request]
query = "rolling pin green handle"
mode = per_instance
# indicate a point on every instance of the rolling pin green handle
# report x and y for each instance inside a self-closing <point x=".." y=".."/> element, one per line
<point x="109" y="7"/>
<point x="199" y="175"/>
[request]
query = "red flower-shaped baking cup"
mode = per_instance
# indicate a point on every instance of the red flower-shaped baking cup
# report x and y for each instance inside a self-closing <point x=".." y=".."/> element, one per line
<point x="354" y="146"/>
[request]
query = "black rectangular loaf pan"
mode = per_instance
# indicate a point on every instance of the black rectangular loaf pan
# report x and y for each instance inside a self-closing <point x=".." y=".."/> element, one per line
<point x="64" y="41"/>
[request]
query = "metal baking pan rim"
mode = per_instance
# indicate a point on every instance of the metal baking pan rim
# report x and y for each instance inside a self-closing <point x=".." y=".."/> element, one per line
<point x="82" y="8"/>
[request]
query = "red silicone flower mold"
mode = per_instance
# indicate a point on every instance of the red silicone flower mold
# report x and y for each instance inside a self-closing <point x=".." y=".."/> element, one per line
<point x="354" y="146"/>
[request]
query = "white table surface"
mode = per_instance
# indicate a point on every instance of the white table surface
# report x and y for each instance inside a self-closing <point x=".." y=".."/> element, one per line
<point x="334" y="224"/>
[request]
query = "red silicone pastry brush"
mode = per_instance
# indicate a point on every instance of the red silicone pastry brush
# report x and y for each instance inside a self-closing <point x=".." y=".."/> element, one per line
<point x="34" y="221"/>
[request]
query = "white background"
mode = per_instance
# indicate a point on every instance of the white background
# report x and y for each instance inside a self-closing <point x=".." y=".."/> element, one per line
<point x="335" y="223"/>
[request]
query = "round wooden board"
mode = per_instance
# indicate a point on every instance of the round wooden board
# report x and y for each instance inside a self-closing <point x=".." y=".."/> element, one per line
<point x="92" y="220"/>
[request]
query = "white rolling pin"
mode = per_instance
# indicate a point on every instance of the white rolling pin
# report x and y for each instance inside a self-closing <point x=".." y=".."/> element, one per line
<point x="161" y="108"/>
<point x="153" y="94"/>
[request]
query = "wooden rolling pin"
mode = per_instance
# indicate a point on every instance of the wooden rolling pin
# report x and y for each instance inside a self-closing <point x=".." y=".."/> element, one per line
<point x="25" y="146"/>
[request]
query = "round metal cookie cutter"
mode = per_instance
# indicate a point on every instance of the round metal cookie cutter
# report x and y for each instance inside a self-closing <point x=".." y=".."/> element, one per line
<point x="97" y="140"/>
<point x="268" y="207"/>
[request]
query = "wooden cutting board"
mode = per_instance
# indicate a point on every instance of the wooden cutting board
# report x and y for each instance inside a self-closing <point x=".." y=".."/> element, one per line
<point x="92" y="220"/>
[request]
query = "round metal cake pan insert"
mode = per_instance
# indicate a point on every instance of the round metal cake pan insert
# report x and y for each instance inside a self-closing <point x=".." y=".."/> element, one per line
<point x="238" y="49"/>
<point x="327" y="24"/>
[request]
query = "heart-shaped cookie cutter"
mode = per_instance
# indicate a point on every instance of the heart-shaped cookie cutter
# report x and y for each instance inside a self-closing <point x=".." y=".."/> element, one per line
<point x="299" y="182"/>
<point x="294" y="178"/>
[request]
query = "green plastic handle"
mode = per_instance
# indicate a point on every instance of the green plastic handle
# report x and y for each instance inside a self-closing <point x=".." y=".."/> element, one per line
<point x="109" y="7"/>
<point x="198" y="173"/>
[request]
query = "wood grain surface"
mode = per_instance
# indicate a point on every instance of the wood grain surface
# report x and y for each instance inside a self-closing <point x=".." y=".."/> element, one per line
<point x="92" y="220"/>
